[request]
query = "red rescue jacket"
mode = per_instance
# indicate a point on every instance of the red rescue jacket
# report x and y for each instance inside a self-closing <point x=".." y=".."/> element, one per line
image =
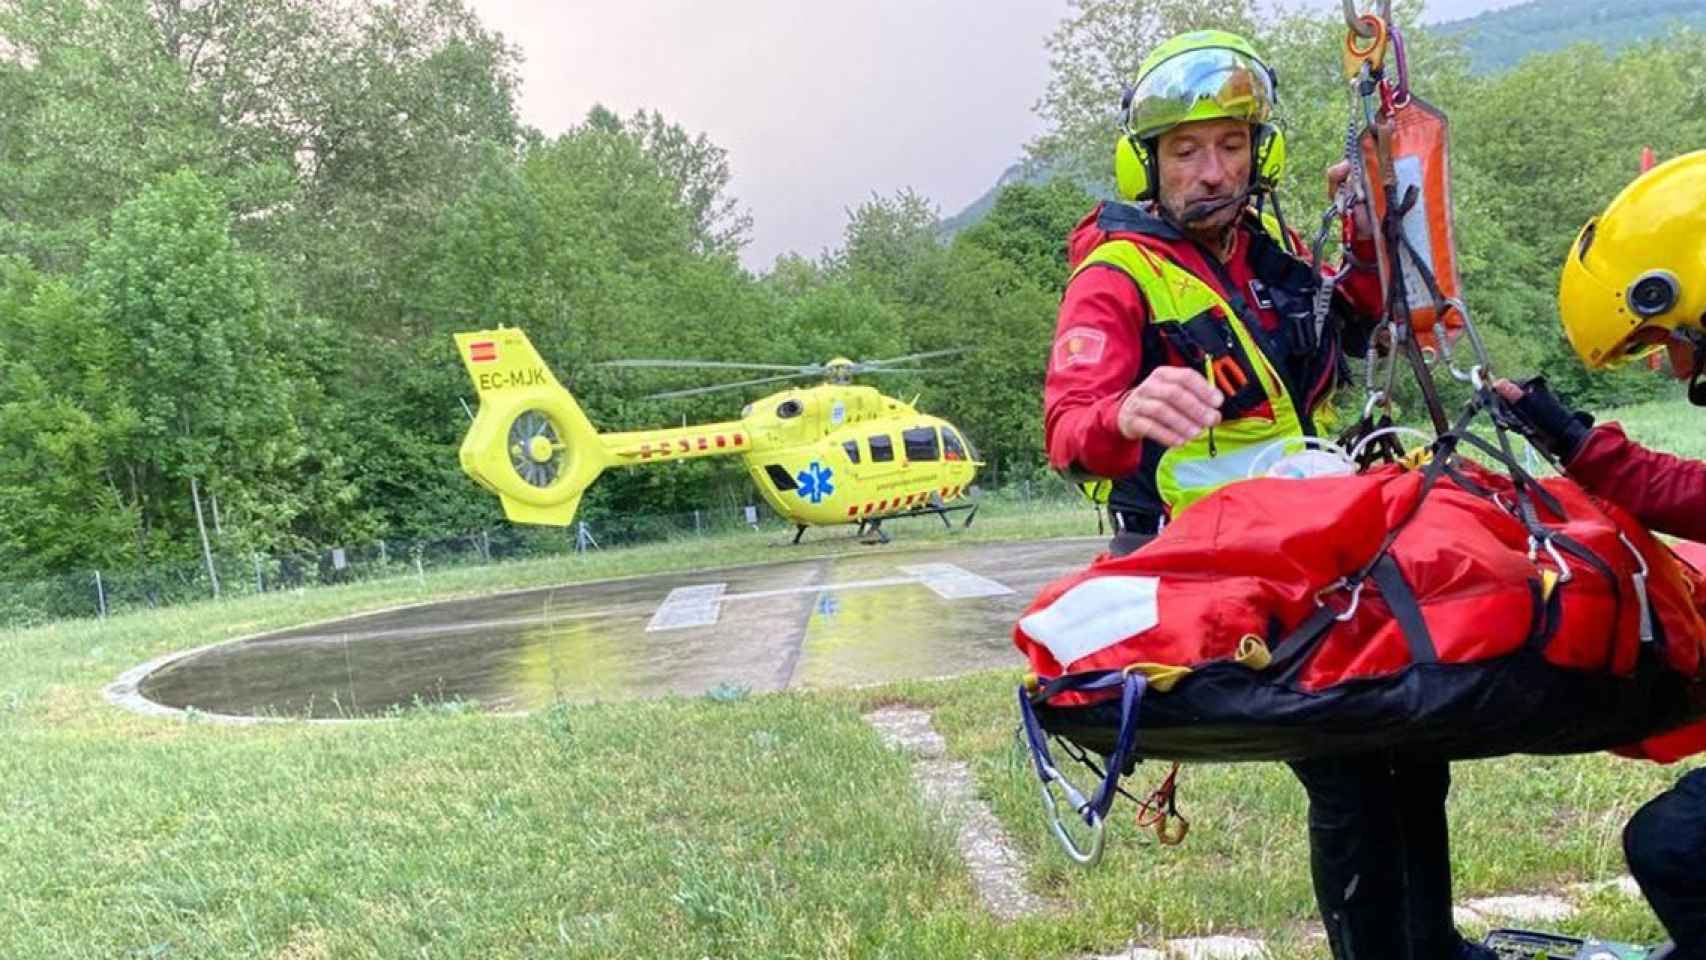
<point x="1081" y="400"/>
<point x="1667" y="494"/>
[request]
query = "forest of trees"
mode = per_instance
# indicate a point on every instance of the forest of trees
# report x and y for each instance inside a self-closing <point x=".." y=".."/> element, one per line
<point x="236" y="236"/>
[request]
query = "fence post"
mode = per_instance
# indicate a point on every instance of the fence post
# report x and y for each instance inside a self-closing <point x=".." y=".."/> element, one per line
<point x="419" y="573"/>
<point x="696" y="527"/>
<point x="100" y="595"/>
<point x="206" y="551"/>
<point x="260" y="584"/>
<point x="383" y="559"/>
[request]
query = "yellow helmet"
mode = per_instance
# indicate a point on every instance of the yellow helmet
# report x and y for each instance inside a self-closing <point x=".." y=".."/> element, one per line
<point x="1637" y="272"/>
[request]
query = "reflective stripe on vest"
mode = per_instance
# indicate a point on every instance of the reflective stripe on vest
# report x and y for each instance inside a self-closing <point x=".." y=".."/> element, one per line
<point x="1187" y="473"/>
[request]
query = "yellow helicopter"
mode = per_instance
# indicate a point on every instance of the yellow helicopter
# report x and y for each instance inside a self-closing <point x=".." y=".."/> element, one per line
<point x="835" y="453"/>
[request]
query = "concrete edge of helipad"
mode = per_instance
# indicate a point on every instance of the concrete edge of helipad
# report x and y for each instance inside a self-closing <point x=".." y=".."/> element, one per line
<point x="125" y="691"/>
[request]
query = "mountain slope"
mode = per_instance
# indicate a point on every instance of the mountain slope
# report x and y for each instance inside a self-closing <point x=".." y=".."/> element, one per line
<point x="1499" y="39"/>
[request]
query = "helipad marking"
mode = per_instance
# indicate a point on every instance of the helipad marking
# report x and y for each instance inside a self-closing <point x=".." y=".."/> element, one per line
<point x="694" y="606"/>
<point x="701" y="604"/>
<point x="954" y="583"/>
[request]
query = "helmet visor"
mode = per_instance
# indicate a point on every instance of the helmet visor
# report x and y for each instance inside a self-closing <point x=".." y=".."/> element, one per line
<point x="1210" y="83"/>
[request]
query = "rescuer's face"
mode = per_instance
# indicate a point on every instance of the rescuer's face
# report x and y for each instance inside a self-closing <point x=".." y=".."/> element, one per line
<point x="1203" y="164"/>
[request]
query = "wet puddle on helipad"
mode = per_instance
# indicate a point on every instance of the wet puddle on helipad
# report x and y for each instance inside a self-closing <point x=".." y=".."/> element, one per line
<point x="829" y="622"/>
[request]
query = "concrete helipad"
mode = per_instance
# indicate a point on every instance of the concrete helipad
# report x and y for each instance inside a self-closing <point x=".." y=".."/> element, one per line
<point x="870" y="617"/>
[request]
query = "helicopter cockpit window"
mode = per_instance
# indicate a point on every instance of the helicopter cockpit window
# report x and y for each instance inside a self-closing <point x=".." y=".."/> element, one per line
<point x="789" y="409"/>
<point x="882" y="448"/>
<point x="952" y="449"/>
<point x="921" y="443"/>
<point x="955" y="440"/>
<point x="852" y="448"/>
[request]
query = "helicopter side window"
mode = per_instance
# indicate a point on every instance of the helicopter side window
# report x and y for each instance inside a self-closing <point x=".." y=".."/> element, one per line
<point x="921" y="443"/>
<point x="952" y="449"/>
<point x="788" y="409"/>
<point x="852" y="448"/>
<point x="882" y="448"/>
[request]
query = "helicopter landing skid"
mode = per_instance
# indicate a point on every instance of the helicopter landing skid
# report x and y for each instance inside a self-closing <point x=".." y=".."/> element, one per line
<point x="924" y="510"/>
<point x="870" y="531"/>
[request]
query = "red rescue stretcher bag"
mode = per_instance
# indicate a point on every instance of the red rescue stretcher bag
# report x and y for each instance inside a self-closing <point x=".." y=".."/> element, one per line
<point x="1443" y="612"/>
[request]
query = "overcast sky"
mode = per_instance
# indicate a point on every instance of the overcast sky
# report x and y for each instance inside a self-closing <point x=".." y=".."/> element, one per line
<point x="818" y="104"/>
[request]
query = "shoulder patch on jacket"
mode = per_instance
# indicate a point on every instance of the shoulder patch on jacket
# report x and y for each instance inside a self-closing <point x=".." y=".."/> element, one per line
<point x="1079" y="347"/>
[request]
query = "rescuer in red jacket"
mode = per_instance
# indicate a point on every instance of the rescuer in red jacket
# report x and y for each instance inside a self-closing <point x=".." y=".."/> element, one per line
<point x="1187" y="350"/>
<point x="1635" y="281"/>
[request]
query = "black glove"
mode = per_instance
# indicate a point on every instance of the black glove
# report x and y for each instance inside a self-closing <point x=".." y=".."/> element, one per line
<point x="1544" y="419"/>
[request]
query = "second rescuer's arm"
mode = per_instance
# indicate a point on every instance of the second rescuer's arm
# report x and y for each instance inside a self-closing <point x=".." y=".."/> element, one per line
<point x="1094" y="420"/>
<point x="1666" y="493"/>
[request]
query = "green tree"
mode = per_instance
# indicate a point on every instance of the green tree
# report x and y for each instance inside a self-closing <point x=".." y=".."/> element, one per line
<point x="64" y="408"/>
<point x="196" y="343"/>
<point x="1094" y="54"/>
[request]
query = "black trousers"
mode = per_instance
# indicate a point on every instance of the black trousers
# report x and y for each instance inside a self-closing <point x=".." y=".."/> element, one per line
<point x="1380" y="856"/>
<point x="1665" y="842"/>
<point x="1379" y="853"/>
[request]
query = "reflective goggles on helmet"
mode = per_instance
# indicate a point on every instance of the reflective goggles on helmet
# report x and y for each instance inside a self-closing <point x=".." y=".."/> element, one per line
<point x="1208" y="83"/>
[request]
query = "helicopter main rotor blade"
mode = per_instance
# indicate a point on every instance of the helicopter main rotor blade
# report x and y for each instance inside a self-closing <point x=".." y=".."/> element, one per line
<point x="696" y="391"/>
<point x="707" y="364"/>
<point x="907" y="370"/>
<point x="874" y="364"/>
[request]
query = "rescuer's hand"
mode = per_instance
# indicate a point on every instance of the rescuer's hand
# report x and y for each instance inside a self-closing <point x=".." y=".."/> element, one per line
<point x="1337" y="175"/>
<point x="1171" y="406"/>
<point x="1543" y="418"/>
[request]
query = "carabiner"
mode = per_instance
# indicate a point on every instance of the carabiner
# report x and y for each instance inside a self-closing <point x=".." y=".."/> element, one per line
<point x="1400" y="80"/>
<point x="1639" y="578"/>
<point x="1098" y="828"/>
<point x="1341" y="584"/>
<point x="1375" y="399"/>
<point x="1564" y="572"/>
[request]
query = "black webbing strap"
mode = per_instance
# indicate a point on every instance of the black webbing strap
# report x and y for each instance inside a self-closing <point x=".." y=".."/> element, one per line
<point x="1402" y="602"/>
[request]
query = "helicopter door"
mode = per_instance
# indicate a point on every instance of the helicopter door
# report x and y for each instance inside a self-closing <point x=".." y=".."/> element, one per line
<point x="882" y="467"/>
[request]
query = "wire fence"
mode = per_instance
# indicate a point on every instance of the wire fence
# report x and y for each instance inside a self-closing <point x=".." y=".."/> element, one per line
<point x="104" y="592"/>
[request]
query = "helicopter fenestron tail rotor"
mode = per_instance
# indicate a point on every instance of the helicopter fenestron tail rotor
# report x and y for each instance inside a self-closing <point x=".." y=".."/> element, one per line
<point x="530" y="443"/>
<point x="536" y="452"/>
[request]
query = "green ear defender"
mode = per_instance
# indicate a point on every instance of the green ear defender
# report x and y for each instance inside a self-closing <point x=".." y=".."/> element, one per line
<point x="1137" y="178"/>
<point x="1134" y="173"/>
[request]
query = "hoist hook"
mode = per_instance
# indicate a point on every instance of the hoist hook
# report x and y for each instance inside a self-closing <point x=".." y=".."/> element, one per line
<point x="1354" y="22"/>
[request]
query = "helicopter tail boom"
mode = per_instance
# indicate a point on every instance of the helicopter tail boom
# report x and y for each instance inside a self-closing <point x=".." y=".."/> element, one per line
<point x="530" y="443"/>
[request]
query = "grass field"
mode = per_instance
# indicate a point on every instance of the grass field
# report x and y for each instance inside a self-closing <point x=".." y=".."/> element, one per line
<point x="771" y="826"/>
